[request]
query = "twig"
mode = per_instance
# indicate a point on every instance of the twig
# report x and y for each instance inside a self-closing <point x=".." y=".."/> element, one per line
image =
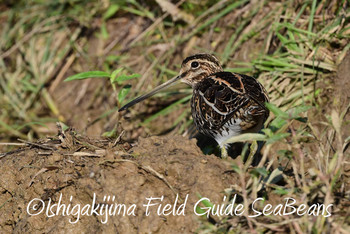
<point x="36" y="144"/>
<point x="42" y="170"/>
<point x="11" y="152"/>
<point x="10" y="143"/>
<point x="161" y="177"/>
<point x="119" y="138"/>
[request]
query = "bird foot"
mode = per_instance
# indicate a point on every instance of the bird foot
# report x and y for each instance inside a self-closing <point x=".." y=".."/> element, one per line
<point x="224" y="153"/>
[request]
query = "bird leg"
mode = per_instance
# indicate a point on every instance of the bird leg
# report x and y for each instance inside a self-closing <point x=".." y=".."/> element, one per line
<point x="224" y="153"/>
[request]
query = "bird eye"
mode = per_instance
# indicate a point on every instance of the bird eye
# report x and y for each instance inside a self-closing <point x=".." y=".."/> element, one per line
<point x="194" y="64"/>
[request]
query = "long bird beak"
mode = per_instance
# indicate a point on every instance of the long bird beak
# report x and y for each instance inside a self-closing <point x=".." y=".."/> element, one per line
<point x="154" y="91"/>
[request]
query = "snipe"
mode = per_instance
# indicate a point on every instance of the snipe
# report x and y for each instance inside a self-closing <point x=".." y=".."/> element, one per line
<point x="223" y="104"/>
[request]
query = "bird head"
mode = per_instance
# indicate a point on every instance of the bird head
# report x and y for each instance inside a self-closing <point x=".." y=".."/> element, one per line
<point x="193" y="69"/>
<point x="197" y="67"/>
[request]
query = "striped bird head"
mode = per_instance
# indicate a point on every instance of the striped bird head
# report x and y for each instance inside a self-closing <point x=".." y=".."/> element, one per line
<point x="196" y="67"/>
<point x="193" y="70"/>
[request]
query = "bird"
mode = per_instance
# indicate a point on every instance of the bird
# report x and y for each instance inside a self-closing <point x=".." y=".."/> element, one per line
<point x="223" y="104"/>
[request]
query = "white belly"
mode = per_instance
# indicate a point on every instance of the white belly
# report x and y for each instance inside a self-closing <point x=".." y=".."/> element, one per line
<point x="231" y="129"/>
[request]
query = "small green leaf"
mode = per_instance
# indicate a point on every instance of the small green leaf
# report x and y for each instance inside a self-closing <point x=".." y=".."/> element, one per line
<point x="104" y="31"/>
<point x="126" y="77"/>
<point x="111" y="133"/>
<point x="285" y="153"/>
<point x="259" y="171"/>
<point x="274" y="177"/>
<point x="63" y="126"/>
<point x="267" y="131"/>
<point x="199" y="210"/>
<point x="277" y="137"/>
<point x="89" y="74"/>
<point x="122" y="94"/>
<point x="236" y="168"/>
<point x="281" y="191"/>
<point x="294" y="112"/>
<point x="115" y="73"/>
<point x="277" y="111"/>
<point x="207" y="203"/>
<point x="113" y="58"/>
<point x="277" y="124"/>
<point x="111" y="11"/>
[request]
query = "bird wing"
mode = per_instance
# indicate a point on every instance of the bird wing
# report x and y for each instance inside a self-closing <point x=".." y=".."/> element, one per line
<point x="225" y="96"/>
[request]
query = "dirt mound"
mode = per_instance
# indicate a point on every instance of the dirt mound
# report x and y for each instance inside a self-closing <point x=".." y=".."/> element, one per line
<point x="74" y="172"/>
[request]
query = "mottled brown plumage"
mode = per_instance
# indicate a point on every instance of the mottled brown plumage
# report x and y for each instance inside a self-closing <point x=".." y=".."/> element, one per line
<point x="223" y="104"/>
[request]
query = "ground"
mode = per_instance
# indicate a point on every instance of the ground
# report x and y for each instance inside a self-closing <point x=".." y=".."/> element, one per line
<point x="165" y="166"/>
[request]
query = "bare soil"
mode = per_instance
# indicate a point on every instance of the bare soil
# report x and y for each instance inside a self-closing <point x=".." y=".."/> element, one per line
<point x="80" y="167"/>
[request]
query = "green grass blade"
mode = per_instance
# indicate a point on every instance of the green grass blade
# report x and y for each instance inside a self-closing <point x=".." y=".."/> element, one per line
<point x="89" y="74"/>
